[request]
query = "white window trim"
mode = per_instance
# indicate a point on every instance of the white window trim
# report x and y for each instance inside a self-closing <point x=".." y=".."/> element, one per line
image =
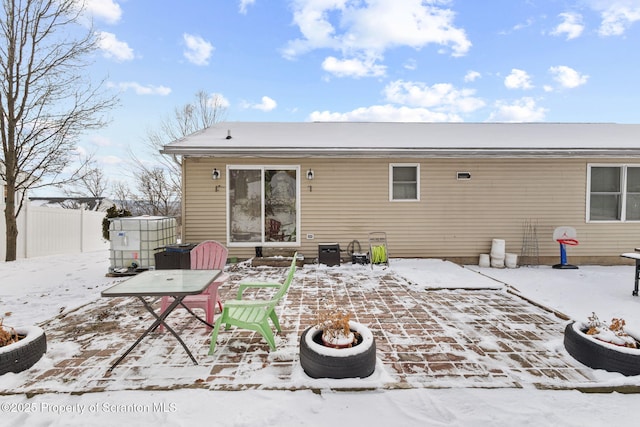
<point x="417" y="166"/>
<point x="262" y="168"/>
<point x="623" y="188"/>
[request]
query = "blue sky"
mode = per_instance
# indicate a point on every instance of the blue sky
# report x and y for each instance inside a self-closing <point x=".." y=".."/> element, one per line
<point x="366" y="60"/>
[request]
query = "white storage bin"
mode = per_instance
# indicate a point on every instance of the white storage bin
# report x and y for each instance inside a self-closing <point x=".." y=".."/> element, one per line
<point x="510" y="260"/>
<point x="484" y="260"/>
<point x="497" y="248"/>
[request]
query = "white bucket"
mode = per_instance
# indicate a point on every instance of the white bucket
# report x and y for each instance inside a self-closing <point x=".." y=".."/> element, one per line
<point x="497" y="262"/>
<point x="511" y="260"/>
<point x="484" y="260"/>
<point x="497" y="248"/>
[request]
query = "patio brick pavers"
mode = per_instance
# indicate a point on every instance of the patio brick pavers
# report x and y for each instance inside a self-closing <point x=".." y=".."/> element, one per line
<point x="425" y="339"/>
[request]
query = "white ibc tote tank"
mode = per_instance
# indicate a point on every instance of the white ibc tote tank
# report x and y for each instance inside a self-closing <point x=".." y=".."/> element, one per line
<point x="134" y="240"/>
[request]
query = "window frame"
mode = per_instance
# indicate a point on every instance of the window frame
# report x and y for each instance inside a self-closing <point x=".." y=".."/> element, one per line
<point x="417" y="182"/>
<point x="624" y="167"/>
<point x="263" y="241"/>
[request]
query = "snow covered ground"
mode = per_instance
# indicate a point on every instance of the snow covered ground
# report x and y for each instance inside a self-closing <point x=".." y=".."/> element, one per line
<point x="38" y="289"/>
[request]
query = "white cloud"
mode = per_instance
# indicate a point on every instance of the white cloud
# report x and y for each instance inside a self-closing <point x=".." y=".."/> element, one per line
<point x="80" y="152"/>
<point x="110" y="160"/>
<point x="571" y="25"/>
<point x="518" y="79"/>
<point x="441" y="96"/>
<point x="472" y="76"/>
<point x="412" y="102"/>
<point x="522" y="110"/>
<point x="100" y="141"/>
<point x="526" y="24"/>
<point x="617" y="15"/>
<point x="142" y="90"/>
<point x="217" y="99"/>
<point x="356" y="27"/>
<point x="352" y="67"/>
<point x="411" y="64"/>
<point x="198" y="50"/>
<point x="244" y="4"/>
<point x="567" y="77"/>
<point x="114" y="48"/>
<point x="107" y="10"/>
<point x="617" y="21"/>
<point x="520" y="26"/>
<point x="266" y="104"/>
<point x="385" y="113"/>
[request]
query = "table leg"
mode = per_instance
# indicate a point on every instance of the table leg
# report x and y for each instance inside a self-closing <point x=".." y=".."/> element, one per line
<point x="194" y="315"/>
<point x="635" y="288"/>
<point x="159" y="320"/>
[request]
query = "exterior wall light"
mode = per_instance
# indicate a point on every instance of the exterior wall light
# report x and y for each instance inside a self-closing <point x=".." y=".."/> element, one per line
<point x="215" y="174"/>
<point x="310" y="174"/>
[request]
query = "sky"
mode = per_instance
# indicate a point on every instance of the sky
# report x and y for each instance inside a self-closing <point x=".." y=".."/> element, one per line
<point x="363" y="60"/>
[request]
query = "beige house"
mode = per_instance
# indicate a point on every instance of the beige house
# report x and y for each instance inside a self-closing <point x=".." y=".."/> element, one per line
<point x="440" y="190"/>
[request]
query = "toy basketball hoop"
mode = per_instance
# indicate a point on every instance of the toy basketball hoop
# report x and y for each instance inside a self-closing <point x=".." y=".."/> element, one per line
<point x="565" y="236"/>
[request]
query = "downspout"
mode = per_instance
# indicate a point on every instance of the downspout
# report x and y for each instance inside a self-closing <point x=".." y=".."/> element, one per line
<point x="182" y="200"/>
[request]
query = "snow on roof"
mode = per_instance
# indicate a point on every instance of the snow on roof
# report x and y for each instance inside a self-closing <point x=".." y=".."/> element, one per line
<point x="385" y="139"/>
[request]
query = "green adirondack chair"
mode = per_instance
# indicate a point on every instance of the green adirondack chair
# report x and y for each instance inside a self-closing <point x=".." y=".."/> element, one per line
<point x="254" y="315"/>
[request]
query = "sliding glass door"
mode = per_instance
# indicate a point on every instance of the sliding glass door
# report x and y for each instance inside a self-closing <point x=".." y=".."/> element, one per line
<point x="263" y="205"/>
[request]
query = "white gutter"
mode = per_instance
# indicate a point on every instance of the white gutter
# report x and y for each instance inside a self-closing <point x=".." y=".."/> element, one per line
<point x="384" y="152"/>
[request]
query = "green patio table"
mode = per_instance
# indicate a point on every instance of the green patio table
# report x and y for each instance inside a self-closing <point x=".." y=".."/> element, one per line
<point x="176" y="283"/>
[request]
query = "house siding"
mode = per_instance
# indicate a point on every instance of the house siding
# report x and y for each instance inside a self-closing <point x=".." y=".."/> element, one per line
<point x="454" y="219"/>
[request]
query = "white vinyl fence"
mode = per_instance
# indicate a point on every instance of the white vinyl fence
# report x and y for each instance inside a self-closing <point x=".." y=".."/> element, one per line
<point x="54" y="231"/>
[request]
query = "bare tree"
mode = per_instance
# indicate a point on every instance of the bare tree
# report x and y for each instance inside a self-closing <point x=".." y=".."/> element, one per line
<point x="124" y="196"/>
<point x="46" y="99"/>
<point x="205" y="111"/>
<point x="159" y="182"/>
<point x="92" y="184"/>
<point x="157" y="193"/>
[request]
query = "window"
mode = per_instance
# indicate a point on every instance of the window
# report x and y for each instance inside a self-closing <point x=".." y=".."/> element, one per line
<point x="263" y="205"/>
<point x="632" y="204"/>
<point x="614" y="193"/>
<point x="404" y="182"/>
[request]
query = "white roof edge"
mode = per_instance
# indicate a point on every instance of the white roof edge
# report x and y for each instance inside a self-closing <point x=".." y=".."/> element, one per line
<point x="378" y="139"/>
<point x="436" y="153"/>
